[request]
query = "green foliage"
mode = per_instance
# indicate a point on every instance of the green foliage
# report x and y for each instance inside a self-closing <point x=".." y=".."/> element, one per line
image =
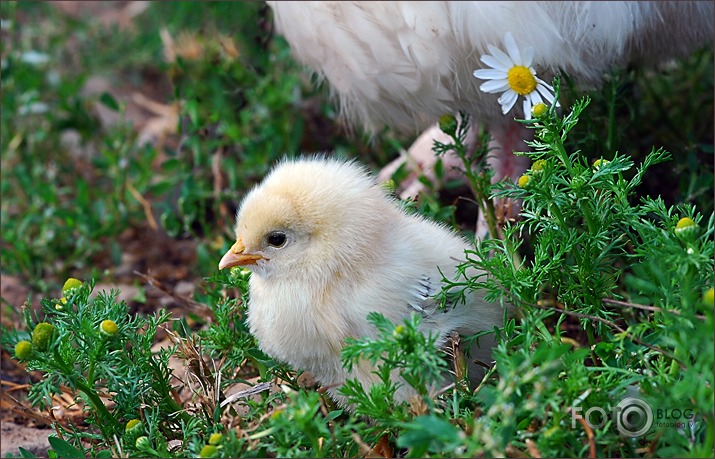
<point x="58" y="203"/>
<point x="242" y="115"/>
<point x="591" y="249"/>
<point x="670" y="107"/>
<point x="402" y="348"/>
<point x="475" y="165"/>
<point x="120" y="366"/>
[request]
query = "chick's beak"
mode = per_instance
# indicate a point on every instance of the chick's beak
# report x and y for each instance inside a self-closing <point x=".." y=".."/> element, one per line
<point x="236" y="256"/>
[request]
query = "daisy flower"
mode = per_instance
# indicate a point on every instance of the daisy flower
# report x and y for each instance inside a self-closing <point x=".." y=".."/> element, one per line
<point x="513" y="76"/>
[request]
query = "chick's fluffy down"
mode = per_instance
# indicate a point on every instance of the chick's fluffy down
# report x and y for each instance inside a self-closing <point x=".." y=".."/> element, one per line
<point x="327" y="246"/>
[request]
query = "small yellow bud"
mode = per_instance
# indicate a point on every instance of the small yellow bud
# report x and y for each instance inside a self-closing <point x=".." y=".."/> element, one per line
<point x="60" y="305"/>
<point x="539" y="110"/>
<point x="538" y="166"/>
<point x="399" y="330"/>
<point x="686" y="229"/>
<point x="142" y="442"/>
<point x="108" y="327"/>
<point x="132" y="431"/>
<point x="708" y="299"/>
<point x="523" y="181"/>
<point x="208" y="451"/>
<point x="70" y="285"/>
<point x="448" y="124"/>
<point x="684" y="222"/>
<point x="215" y="438"/>
<point x="23" y="350"/>
<point x="133" y="425"/>
<point x="42" y="335"/>
<point x="600" y="162"/>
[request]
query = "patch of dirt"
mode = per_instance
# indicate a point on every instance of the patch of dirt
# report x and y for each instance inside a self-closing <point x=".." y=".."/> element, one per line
<point x="33" y="439"/>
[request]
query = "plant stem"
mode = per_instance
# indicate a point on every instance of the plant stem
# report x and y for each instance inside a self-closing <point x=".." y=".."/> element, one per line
<point x="563" y="156"/>
<point x="106" y="417"/>
<point x="592" y="228"/>
<point x="557" y="213"/>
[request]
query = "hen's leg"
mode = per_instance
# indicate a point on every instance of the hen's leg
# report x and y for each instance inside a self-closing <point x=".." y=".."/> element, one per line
<point x="506" y="139"/>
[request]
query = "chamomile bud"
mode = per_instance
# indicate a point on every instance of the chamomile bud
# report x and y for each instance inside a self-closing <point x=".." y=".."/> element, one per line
<point x="600" y="162"/>
<point x="448" y="124"/>
<point x="686" y="229"/>
<point x="538" y="167"/>
<point x="142" y="443"/>
<point x="70" y="286"/>
<point x="398" y="331"/>
<point x="60" y="305"/>
<point x="42" y="335"/>
<point x="215" y="438"/>
<point x="208" y="451"/>
<point x="540" y="110"/>
<point x="133" y="426"/>
<point x="23" y="350"/>
<point x="133" y="430"/>
<point x="108" y="327"/>
<point x="523" y="181"/>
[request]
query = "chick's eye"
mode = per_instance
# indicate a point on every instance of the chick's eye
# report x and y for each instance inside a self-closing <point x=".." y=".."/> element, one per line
<point x="276" y="239"/>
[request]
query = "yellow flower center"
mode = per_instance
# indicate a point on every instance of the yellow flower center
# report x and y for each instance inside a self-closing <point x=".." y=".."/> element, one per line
<point x="539" y="110"/>
<point x="131" y="424"/>
<point x="215" y="438"/>
<point x="521" y="80"/>
<point x="109" y="327"/>
<point x="685" y="223"/>
<point x="523" y="181"/>
<point x="23" y="349"/>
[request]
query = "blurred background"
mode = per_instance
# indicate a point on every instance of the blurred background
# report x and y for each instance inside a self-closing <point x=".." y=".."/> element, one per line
<point x="131" y="131"/>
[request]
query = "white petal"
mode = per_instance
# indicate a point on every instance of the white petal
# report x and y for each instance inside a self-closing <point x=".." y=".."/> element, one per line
<point x="535" y="97"/>
<point x="507" y="101"/>
<point x="527" y="108"/>
<point x="498" y="54"/>
<point x="507" y="97"/>
<point x="512" y="49"/>
<point x="493" y="86"/>
<point x="528" y="56"/>
<point x="545" y="92"/>
<point x="495" y="63"/>
<point x="490" y="74"/>
<point x="539" y="80"/>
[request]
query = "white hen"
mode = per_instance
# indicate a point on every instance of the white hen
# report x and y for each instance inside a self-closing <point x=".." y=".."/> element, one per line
<point x="407" y="63"/>
<point x="404" y="64"/>
<point x="326" y="246"/>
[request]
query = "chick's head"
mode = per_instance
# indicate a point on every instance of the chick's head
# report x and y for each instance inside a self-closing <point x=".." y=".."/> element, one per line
<point x="309" y="217"/>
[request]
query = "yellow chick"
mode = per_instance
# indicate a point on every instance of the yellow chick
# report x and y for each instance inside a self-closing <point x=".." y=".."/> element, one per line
<point x="326" y="245"/>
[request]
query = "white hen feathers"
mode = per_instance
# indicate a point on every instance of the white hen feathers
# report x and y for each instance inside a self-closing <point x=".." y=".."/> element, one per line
<point x="327" y="246"/>
<point x="407" y="63"/>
